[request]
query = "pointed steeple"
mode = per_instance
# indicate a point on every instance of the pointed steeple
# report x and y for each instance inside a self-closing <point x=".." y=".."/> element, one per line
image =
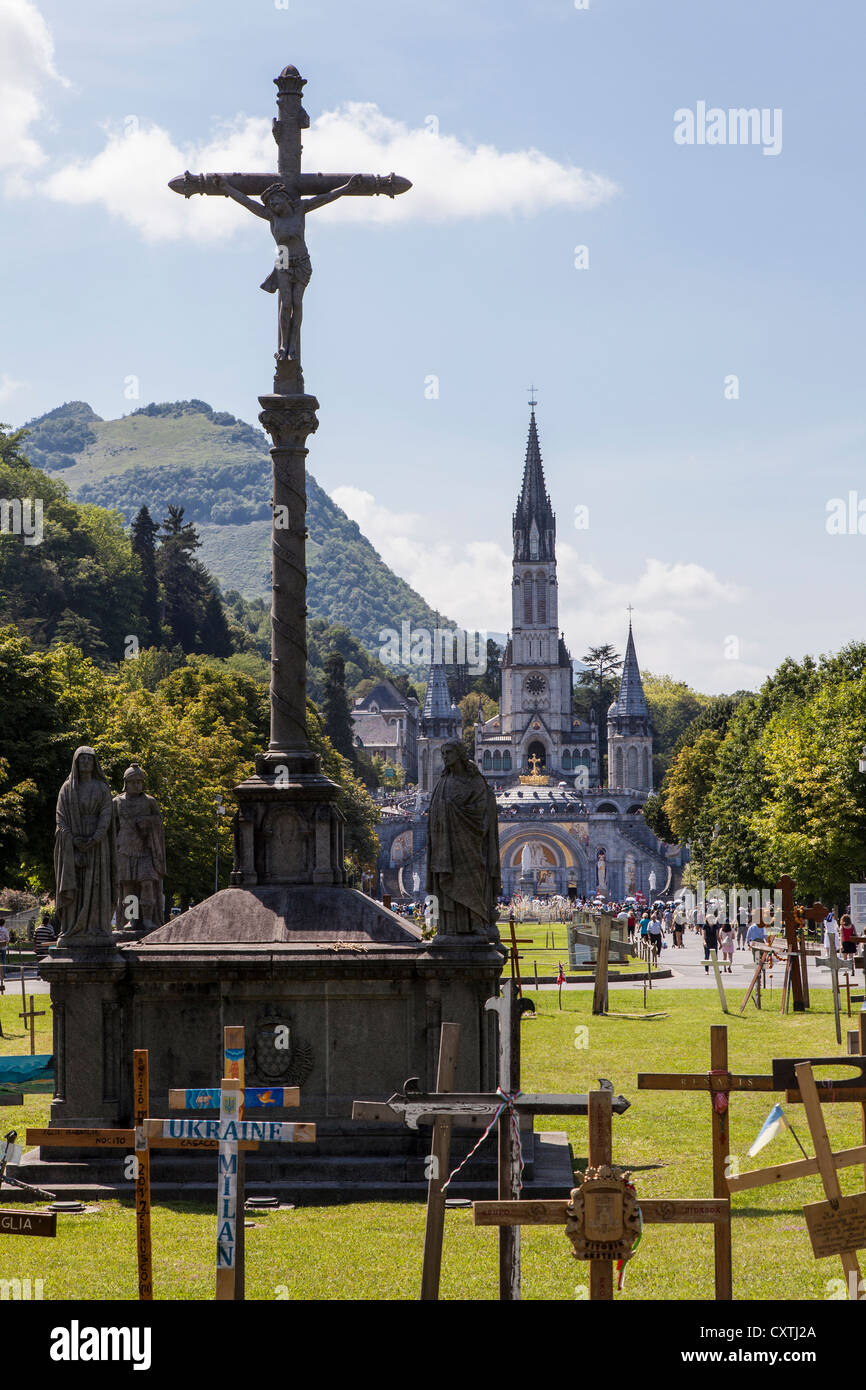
<point x="534" y="523"/>
<point x="631" y="701"/>
<point x="437" y="702"/>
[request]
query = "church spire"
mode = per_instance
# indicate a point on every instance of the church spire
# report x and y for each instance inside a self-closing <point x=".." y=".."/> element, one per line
<point x="534" y="523"/>
<point x="631" y="701"/>
<point x="437" y="702"/>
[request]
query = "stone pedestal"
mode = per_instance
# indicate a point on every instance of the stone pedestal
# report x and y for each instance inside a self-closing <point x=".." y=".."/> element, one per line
<point x="361" y="994"/>
<point x="289" y="951"/>
<point x="90" y="1068"/>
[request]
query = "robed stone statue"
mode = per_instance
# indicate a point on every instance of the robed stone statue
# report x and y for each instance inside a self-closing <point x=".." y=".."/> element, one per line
<point x="463" y="848"/>
<point x="140" y="853"/>
<point x="85" y="853"/>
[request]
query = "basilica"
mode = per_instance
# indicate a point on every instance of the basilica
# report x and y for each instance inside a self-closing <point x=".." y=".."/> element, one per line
<point x="535" y="729"/>
<point x="566" y="825"/>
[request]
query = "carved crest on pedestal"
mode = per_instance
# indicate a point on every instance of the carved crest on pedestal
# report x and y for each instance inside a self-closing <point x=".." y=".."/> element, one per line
<point x="279" y="1054"/>
<point x="602" y="1218"/>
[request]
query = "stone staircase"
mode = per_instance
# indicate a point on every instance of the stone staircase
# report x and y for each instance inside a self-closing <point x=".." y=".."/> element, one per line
<point x="385" y="1163"/>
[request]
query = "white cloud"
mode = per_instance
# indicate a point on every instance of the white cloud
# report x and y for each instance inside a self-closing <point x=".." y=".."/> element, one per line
<point x="450" y="179"/>
<point x="26" y="66"/>
<point x="129" y="178"/>
<point x="683" y="612"/>
<point x="8" y="387"/>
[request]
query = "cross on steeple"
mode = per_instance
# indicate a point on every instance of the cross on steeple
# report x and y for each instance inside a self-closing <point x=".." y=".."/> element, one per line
<point x="532" y="396"/>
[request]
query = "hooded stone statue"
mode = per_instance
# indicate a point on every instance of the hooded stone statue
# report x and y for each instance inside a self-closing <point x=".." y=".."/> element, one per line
<point x="463" y="848"/>
<point x="85" y="854"/>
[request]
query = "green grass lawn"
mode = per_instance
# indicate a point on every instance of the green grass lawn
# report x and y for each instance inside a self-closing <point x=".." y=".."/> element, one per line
<point x="373" y="1250"/>
<point x="549" y="947"/>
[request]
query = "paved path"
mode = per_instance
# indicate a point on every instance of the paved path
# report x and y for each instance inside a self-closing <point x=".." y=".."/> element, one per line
<point x="688" y="972"/>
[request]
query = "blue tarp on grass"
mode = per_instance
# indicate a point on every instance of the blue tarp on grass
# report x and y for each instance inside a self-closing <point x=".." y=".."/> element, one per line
<point x="27" y="1073"/>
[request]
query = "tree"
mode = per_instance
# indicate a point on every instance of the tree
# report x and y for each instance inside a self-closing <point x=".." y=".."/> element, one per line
<point x="597" y="685"/>
<point x="813" y="824"/>
<point x="143" y="532"/>
<point x="359" y="808"/>
<point x="194" y="615"/>
<point x="335" y="707"/>
<point x="655" y="817"/>
<point x="469" y="707"/>
<point x="687" y="787"/>
<point x="673" y="706"/>
<point x="70" y="569"/>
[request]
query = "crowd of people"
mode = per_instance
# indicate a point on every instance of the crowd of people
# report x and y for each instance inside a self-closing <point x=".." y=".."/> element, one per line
<point x="665" y="924"/>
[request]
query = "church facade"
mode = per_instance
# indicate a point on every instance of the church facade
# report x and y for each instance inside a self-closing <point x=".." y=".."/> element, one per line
<point x="567" y="825"/>
<point x="535" y="729"/>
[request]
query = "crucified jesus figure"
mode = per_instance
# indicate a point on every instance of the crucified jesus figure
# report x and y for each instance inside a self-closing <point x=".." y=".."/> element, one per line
<point x="292" y="269"/>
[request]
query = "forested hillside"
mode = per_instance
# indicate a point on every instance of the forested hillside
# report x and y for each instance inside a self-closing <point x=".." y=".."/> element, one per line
<point x="218" y="469"/>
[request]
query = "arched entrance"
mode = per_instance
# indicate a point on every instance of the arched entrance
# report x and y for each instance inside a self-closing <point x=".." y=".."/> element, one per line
<point x="554" y="860"/>
<point x="537" y="750"/>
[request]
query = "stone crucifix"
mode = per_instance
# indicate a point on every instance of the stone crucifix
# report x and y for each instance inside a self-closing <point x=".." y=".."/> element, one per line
<point x="283" y="205"/>
<point x="289" y="416"/>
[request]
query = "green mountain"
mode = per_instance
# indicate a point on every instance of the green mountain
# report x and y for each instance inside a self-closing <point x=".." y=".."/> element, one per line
<point x="218" y="469"/>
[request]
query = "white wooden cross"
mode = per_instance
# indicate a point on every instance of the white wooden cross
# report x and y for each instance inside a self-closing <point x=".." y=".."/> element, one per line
<point x="229" y="1130"/>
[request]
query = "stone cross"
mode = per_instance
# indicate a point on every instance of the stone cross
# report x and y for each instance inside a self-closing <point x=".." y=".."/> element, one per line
<point x="289" y="417"/>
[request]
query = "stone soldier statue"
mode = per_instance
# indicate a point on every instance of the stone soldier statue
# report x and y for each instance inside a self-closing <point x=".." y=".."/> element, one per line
<point x="140" y="852"/>
<point x="463" y="848"/>
<point x="85" y="854"/>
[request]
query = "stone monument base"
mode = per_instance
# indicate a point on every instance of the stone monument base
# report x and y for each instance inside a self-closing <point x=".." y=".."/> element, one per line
<point x="380" y="1163"/>
<point x="336" y="995"/>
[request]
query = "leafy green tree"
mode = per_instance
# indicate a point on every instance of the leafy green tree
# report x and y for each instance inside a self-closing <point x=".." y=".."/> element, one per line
<point x="813" y="823"/>
<point x="469" y="707"/>
<point x="686" y="796"/>
<point x="656" y="818"/>
<point x="79" y="578"/>
<point x="672" y="706"/>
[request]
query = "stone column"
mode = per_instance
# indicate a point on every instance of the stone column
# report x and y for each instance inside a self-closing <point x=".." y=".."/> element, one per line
<point x="289" y="420"/>
<point x="289" y="827"/>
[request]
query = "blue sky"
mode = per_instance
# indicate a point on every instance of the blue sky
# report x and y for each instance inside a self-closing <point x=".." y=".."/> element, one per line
<point x="555" y="130"/>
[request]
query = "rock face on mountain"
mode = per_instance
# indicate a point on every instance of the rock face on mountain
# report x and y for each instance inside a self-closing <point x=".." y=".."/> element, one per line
<point x="218" y="469"/>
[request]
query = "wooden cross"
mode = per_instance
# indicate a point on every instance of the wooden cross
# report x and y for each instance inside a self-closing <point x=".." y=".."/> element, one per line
<point x="836" y="967"/>
<point x="838" y="1225"/>
<point x="140" y="1142"/>
<point x="141" y="1105"/>
<point x="254" y="1098"/>
<point x="477" y="1109"/>
<point x="825" y="1163"/>
<point x="515" y="954"/>
<point x="229" y="1131"/>
<point x="514" y="1214"/>
<point x="439" y="1163"/>
<point x="31" y="1017"/>
<point x="719" y="1082"/>
<point x="766" y="956"/>
<point x="794" y="977"/>
<point x="602" y="957"/>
